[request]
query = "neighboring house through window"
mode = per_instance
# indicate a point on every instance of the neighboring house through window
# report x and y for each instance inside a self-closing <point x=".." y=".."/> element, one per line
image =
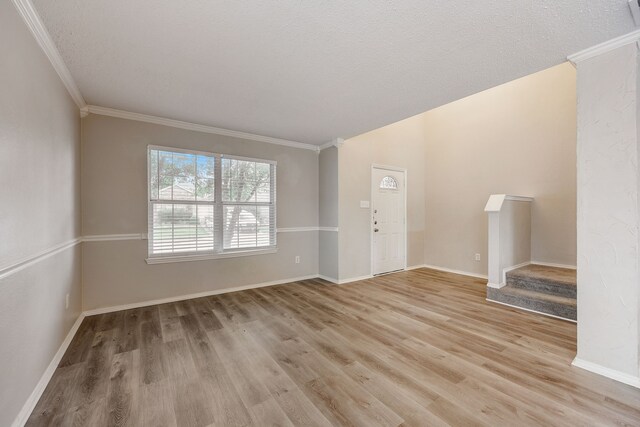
<point x="209" y="205"/>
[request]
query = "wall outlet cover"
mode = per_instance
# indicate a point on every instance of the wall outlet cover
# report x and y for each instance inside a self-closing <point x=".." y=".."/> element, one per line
<point x="364" y="204"/>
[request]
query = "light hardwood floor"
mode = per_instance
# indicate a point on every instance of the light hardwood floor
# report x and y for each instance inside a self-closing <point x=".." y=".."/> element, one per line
<point x="412" y="348"/>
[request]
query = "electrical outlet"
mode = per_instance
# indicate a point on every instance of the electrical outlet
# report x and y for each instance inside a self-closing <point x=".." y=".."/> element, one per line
<point x="297" y="259"/>
<point x="477" y="257"/>
<point x="66" y="302"/>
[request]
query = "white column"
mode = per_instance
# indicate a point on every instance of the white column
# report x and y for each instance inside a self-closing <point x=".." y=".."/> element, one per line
<point x="509" y="235"/>
<point x="608" y="214"/>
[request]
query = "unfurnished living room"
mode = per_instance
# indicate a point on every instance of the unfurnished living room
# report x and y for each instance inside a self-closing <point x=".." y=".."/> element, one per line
<point x="323" y="213"/>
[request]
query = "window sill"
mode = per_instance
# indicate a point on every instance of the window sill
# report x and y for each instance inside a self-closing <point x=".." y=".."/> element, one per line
<point x="232" y="254"/>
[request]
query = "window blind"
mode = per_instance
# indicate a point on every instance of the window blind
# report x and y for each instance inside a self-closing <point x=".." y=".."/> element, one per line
<point x="205" y="203"/>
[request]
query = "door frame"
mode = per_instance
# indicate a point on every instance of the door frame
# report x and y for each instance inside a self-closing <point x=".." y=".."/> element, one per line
<point x="374" y="188"/>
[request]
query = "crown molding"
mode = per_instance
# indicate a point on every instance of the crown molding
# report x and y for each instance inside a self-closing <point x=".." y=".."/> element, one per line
<point x="605" y="47"/>
<point x="34" y="23"/>
<point x="42" y="36"/>
<point x="336" y="142"/>
<point x="122" y="114"/>
<point x="325" y="146"/>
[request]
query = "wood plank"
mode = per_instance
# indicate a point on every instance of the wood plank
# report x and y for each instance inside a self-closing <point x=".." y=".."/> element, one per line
<point x="122" y="398"/>
<point x="269" y="413"/>
<point x="156" y="405"/>
<point x="412" y="348"/>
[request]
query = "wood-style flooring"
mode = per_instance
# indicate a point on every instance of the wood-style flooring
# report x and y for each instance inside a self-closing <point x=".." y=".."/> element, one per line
<point x="419" y="348"/>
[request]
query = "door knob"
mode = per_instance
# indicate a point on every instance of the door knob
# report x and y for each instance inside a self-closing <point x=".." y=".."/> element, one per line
<point x="375" y="230"/>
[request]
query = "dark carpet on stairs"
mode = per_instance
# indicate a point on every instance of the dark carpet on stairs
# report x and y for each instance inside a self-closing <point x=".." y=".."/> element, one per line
<point x="549" y="290"/>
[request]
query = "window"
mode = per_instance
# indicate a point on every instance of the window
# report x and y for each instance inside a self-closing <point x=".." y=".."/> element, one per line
<point x="389" y="183"/>
<point x="205" y="205"/>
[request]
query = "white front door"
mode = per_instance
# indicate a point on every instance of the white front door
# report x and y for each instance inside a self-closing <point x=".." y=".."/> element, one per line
<point x="388" y="220"/>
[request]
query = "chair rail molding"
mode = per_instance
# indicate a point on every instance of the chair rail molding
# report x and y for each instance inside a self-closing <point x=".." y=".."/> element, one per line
<point x="30" y="260"/>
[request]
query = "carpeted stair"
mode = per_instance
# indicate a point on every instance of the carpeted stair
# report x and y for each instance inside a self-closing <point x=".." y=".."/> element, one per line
<point x="549" y="290"/>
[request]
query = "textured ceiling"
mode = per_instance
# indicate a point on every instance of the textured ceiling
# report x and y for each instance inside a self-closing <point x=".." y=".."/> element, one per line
<point x="309" y="70"/>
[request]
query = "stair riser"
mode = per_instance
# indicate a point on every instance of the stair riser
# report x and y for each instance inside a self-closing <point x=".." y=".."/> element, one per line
<point x="559" y="310"/>
<point x="541" y="285"/>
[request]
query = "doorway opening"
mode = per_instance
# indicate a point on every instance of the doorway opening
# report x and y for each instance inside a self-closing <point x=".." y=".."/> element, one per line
<point x="388" y="219"/>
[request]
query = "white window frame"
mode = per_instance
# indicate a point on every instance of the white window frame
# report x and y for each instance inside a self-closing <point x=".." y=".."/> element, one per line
<point x="218" y="252"/>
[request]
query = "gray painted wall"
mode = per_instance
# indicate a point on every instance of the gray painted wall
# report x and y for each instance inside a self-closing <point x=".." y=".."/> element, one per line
<point x="519" y="139"/>
<point x="401" y="144"/>
<point x="328" y="165"/>
<point x="328" y="204"/>
<point x="39" y="172"/>
<point x="114" y="201"/>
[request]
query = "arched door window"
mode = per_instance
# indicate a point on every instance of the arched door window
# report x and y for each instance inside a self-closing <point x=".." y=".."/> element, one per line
<point x="389" y="183"/>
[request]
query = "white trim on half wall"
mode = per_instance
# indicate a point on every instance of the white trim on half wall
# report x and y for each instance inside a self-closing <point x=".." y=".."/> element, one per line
<point x="552" y="264"/>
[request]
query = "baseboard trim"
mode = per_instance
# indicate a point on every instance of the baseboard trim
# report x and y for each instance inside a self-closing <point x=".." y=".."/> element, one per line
<point x="328" y="279"/>
<point x="147" y="303"/>
<point x="496" y="285"/>
<point x="450" y="270"/>
<point x="607" y="372"/>
<point x="530" y="311"/>
<point x="343" y="281"/>
<point x="33" y="399"/>
<point x="551" y="264"/>
<point x="357" y="279"/>
<point x="513" y="267"/>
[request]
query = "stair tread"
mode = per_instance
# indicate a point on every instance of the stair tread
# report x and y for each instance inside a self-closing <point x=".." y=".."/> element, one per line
<point x="555" y="275"/>
<point x="539" y="296"/>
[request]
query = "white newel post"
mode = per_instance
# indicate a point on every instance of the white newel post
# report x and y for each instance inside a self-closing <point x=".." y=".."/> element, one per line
<point x="494" y="204"/>
<point x="608" y="216"/>
<point x="509" y="235"/>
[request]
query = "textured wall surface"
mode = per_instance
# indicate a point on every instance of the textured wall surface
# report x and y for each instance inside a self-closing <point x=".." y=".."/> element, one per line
<point x="312" y="71"/>
<point x="608" y="216"/>
<point x="40" y="209"/>
<point x="114" y="201"/>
